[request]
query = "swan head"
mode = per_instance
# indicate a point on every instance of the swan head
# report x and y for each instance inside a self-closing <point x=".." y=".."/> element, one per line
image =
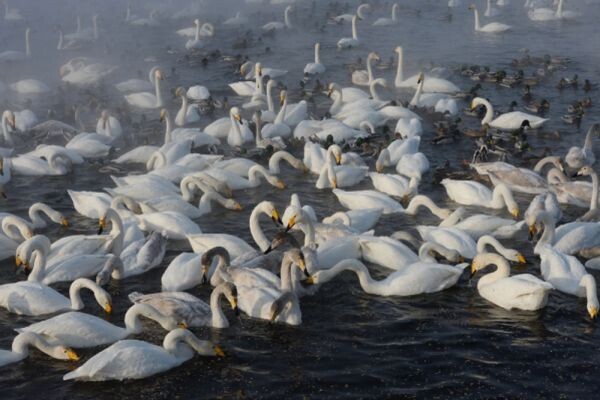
<point x="180" y="91"/>
<point x="585" y="171"/>
<point x="472" y="7"/>
<point x="164" y="115"/>
<point x="158" y="74"/>
<point x="476" y="102"/>
<point x="10" y="118"/>
<point x="231" y="204"/>
<point x="196" y="21"/>
<point x="297" y="257"/>
<point x="282" y="97"/>
<point x="373" y="56"/>
<point x="333" y="87"/>
<point x="258" y="69"/>
<point x="588" y="282"/>
<point x="421" y="77"/>
<point x="235" y="113"/>
<point x="245" y="67"/>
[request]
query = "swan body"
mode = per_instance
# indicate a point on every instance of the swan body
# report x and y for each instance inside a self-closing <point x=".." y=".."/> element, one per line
<point x="510" y="121"/>
<point x="492" y="27"/>
<point x="316" y="67"/>
<point x="148" y="100"/>
<point x="29" y="86"/>
<point x="474" y="193"/>
<point x="347" y="43"/>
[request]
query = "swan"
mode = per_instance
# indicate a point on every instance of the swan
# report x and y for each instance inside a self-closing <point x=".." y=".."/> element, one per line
<point x="315" y="68"/>
<point x="482" y="224"/>
<point x="408" y="127"/>
<point x="544" y="202"/>
<point x="198" y="42"/>
<point x="79" y="330"/>
<point x="413" y="165"/>
<point x="237" y="20"/>
<point x="206" y="30"/>
<point x="569" y="238"/>
<point x="36" y="210"/>
<point x="187" y="114"/>
<point x="249" y="71"/>
<point x="417" y="278"/>
<point x="439" y="102"/>
<point x="511" y="121"/>
<point x="278" y="128"/>
<point x="172" y="224"/>
<point x="392" y="154"/>
<point x="347" y="43"/>
<point x="520" y="180"/>
<point x="140" y="155"/>
<point x="138" y="85"/>
<point x="82" y="73"/>
<point x="362" y="77"/>
<point x="236" y="136"/>
<point x="334" y="176"/>
<point x="568" y="275"/>
<point x="276" y="143"/>
<point x="431" y="84"/>
<point x="29" y="86"/>
<point x="34" y="298"/>
<point x="185" y="307"/>
<point x="25" y="120"/>
<point x="150" y="21"/>
<point x="180" y="205"/>
<point x="277" y="25"/>
<point x="148" y="100"/>
<point x="577" y="193"/>
<point x="474" y="193"/>
<point x="548" y="14"/>
<point x="87" y="34"/>
<point x="234" y="245"/>
<point x="137" y="258"/>
<point x="522" y="292"/>
<point x="577" y="157"/>
<point x="492" y="27"/>
<point x="5" y="176"/>
<point x="236" y="182"/>
<point x="360" y="220"/>
<point x="15" y="55"/>
<point x="361" y="11"/>
<point x="12" y="14"/>
<point x="57" y="164"/>
<point x="395" y="185"/>
<point x="135" y="359"/>
<point x="388" y="21"/>
<point x="95" y="204"/>
<point x="249" y="88"/>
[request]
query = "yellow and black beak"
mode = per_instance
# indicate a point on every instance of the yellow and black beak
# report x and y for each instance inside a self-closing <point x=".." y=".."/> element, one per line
<point x="521" y="259"/>
<point x="101" y="225"/>
<point x="276" y="218"/>
<point x="473" y="270"/>
<point x="64" y="222"/>
<point x="593" y="312"/>
<point x="532" y="231"/>
<point x="291" y="223"/>
<point x="108" y="308"/>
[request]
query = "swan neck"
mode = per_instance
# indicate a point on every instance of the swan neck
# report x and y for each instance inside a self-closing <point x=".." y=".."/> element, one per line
<point x="424" y="201"/>
<point x="286" y="17"/>
<point x="27" y="43"/>
<point x="489" y="112"/>
<point x="38" y="272"/>
<point x="255" y="229"/>
<point x="354" y="31"/>
<point x="317" y="55"/>
<point x="159" y="99"/>
<point x="594" y="201"/>
<point x="477" y="24"/>
<point x="399" y="69"/>
<point x="502" y="196"/>
<point x="218" y="317"/>
<point x="539" y="166"/>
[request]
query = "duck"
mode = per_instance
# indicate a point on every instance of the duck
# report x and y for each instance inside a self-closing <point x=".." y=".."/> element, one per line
<point x="80" y="330"/>
<point x="510" y="121"/>
<point x="521" y="292"/>
<point x="136" y="359"/>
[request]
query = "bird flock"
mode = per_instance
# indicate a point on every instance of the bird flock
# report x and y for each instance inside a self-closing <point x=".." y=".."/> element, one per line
<point x="335" y="137"/>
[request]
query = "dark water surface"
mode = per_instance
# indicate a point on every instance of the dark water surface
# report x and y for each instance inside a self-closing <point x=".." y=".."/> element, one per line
<point x="350" y="344"/>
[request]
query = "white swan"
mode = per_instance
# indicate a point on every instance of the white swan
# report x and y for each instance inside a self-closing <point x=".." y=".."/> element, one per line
<point x="185" y="307"/>
<point x="511" y="121"/>
<point x="568" y="275"/>
<point x="347" y="43"/>
<point x="138" y="85"/>
<point x="187" y="114"/>
<point x="388" y="21"/>
<point x="22" y="342"/>
<point x="392" y="154"/>
<point x="431" y="84"/>
<point x="57" y="164"/>
<point x="278" y="128"/>
<point x="36" y="210"/>
<point x="395" y="185"/>
<point x="316" y="67"/>
<point x="15" y="55"/>
<point x="34" y="298"/>
<point x="439" y="102"/>
<point x="417" y="278"/>
<point x="365" y="77"/>
<point x="483" y="224"/>
<point x="148" y="100"/>
<point x="492" y="27"/>
<point x="29" y="86"/>
<point x="173" y="224"/>
<point x="14" y="231"/>
<point x="577" y="157"/>
<point x="474" y="193"/>
<point x="569" y="238"/>
<point x="522" y="292"/>
<point x="198" y="41"/>
<point x="277" y="25"/>
<point x="334" y="176"/>
<point x="361" y="12"/>
<point x="135" y="359"/>
<point x="79" y="330"/>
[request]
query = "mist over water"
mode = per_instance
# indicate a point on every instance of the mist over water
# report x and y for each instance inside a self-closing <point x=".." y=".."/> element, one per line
<point x="350" y="344"/>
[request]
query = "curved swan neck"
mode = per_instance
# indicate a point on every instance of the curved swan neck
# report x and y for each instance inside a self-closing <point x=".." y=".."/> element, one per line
<point x="492" y="241"/>
<point x="75" y="292"/>
<point x="366" y="282"/>
<point x="255" y="229"/>
<point x="217" y="316"/>
<point x="477" y="25"/>
<point x="35" y="214"/>
<point x="286" y="17"/>
<point x="502" y="267"/>
<point x="395" y="12"/>
<point x="270" y="105"/>
<point x="22" y="341"/>
<point x="370" y="72"/>
<point x="13" y="224"/>
<point x="255" y="171"/>
<point x="281" y="115"/>
<point x="399" y="71"/>
<point x="588" y="144"/>
<point x="425" y="251"/>
<point x="132" y="317"/>
<point x="417" y="97"/>
<point x="424" y="201"/>
<point x="373" y="87"/>
<point x="502" y="196"/>
<point x="489" y="111"/>
<point x="539" y="166"/>
<point x="555" y="175"/>
<point x="548" y="223"/>
<point x="38" y="272"/>
<point x="276" y="159"/>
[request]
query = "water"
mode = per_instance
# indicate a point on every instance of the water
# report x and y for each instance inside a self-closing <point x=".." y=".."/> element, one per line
<point x="350" y="344"/>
